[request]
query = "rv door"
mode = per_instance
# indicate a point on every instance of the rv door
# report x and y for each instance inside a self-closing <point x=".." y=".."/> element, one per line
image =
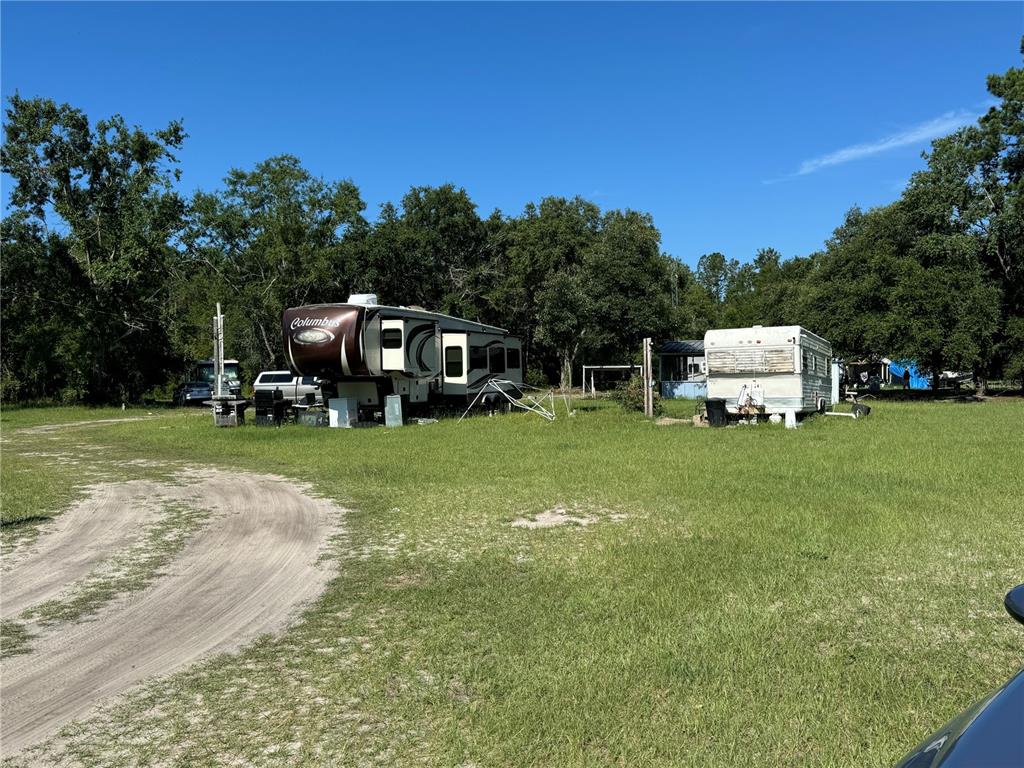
<point x="392" y="345"/>
<point x="455" y="357"/>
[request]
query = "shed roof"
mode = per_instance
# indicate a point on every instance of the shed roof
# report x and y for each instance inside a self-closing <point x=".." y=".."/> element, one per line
<point x="685" y="347"/>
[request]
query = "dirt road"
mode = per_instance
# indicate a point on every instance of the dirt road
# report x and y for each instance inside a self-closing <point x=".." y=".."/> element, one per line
<point x="245" y="573"/>
<point x="108" y="521"/>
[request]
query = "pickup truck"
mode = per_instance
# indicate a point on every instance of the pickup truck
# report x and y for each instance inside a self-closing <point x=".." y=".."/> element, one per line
<point x="294" y="388"/>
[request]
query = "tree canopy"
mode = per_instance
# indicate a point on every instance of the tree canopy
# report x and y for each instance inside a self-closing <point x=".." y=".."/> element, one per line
<point x="110" y="276"/>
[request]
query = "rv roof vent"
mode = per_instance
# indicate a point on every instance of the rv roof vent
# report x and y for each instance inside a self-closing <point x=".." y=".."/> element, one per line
<point x="367" y="299"/>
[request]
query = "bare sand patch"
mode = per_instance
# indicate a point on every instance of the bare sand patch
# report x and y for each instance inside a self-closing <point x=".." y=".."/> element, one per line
<point x="46" y="428"/>
<point x="246" y="573"/>
<point x="553" y="518"/>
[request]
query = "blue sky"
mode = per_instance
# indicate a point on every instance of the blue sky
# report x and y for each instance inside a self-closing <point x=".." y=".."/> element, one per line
<point x="736" y="126"/>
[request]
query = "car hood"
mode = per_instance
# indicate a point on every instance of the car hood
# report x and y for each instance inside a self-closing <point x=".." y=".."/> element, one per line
<point x="989" y="733"/>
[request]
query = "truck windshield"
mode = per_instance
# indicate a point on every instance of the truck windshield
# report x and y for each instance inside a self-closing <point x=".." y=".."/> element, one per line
<point x="204" y="372"/>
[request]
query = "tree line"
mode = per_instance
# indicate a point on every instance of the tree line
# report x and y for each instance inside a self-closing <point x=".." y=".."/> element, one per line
<point x="110" y="275"/>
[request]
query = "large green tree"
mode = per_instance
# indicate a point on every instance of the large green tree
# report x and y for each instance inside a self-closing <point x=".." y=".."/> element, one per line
<point x="629" y="282"/>
<point x="273" y="237"/>
<point x="94" y="204"/>
<point x="430" y="252"/>
<point x="974" y="187"/>
<point x="553" y="236"/>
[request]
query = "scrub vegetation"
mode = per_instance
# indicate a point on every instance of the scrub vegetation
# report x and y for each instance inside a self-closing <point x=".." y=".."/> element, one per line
<point x="752" y="595"/>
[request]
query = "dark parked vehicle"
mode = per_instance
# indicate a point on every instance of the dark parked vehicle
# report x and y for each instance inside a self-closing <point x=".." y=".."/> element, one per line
<point x="193" y="393"/>
<point x="199" y="388"/>
<point x="988" y="735"/>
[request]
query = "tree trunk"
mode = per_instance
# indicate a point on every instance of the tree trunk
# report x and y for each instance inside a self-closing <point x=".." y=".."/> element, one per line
<point x="565" y="384"/>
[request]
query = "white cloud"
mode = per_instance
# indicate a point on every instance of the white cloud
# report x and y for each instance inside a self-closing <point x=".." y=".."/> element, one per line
<point x="918" y="134"/>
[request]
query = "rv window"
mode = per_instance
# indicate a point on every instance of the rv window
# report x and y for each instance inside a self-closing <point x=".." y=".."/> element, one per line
<point x="806" y="357"/>
<point x="453" y="362"/>
<point x="497" y="357"/>
<point x="513" y="358"/>
<point x="391" y="338"/>
<point x="477" y="358"/>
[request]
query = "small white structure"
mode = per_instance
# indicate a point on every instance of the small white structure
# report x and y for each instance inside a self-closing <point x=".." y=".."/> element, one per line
<point x="342" y="411"/>
<point x="781" y="369"/>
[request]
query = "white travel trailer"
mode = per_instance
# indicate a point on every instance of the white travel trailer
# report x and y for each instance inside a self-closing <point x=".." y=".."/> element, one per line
<point x="368" y="351"/>
<point x="769" y="370"/>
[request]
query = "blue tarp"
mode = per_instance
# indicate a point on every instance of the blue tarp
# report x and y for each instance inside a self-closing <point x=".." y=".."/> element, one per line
<point x="917" y="379"/>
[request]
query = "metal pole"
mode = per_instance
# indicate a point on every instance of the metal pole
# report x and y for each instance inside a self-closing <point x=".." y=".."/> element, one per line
<point x="648" y="380"/>
<point x="218" y="353"/>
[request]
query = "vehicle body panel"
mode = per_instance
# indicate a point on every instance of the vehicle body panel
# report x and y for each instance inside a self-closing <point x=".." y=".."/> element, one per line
<point x="293" y="387"/>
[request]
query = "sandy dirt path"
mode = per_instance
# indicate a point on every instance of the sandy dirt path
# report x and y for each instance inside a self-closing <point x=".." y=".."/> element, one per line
<point x="44" y="429"/>
<point x="244" y="574"/>
<point x="111" y="519"/>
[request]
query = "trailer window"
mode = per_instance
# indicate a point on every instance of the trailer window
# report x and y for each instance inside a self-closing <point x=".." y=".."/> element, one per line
<point x="477" y="358"/>
<point x="391" y="338"/>
<point x="453" y="362"/>
<point x="497" y="358"/>
<point x="806" y="358"/>
<point x="513" y="358"/>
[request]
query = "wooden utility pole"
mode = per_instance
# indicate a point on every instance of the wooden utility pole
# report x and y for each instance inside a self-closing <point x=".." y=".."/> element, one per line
<point x="648" y="379"/>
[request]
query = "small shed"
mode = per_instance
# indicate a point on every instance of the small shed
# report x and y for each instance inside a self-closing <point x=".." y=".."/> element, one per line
<point x="682" y="369"/>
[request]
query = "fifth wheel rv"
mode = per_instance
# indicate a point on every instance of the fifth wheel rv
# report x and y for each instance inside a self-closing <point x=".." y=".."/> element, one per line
<point x="770" y="370"/>
<point x="367" y="351"/>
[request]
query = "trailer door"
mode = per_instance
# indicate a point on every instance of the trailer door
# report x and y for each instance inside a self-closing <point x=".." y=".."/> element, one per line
<point x="455" y="350"/>
<point x="392" y="345"/>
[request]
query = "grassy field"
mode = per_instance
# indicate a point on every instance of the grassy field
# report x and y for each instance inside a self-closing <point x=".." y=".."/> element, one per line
<point x="750" y="596"/>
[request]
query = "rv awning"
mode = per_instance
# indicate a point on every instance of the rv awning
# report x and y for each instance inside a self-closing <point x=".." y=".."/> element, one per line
<point x="692" y="347"/>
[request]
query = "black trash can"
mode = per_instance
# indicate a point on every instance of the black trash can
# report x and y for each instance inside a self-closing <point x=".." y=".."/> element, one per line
<point x="717" y="415"/>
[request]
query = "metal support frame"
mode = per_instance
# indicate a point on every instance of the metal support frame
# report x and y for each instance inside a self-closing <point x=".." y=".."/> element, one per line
<point x="534" y="404"/>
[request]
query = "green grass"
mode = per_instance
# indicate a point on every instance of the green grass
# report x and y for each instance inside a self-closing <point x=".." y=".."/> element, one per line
<point x="34" y="486"/>
<point x="820" y="596"/>
<point x="15" y="639"/>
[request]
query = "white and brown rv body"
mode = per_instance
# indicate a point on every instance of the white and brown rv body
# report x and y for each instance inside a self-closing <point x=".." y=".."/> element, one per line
<point x="369" y="351"/>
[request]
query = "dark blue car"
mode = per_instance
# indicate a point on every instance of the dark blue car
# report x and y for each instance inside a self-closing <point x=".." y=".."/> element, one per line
<point x="988" y="735"/>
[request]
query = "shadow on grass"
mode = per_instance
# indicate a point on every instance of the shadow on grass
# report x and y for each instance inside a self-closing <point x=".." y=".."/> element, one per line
<point x="30" y="520"/>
